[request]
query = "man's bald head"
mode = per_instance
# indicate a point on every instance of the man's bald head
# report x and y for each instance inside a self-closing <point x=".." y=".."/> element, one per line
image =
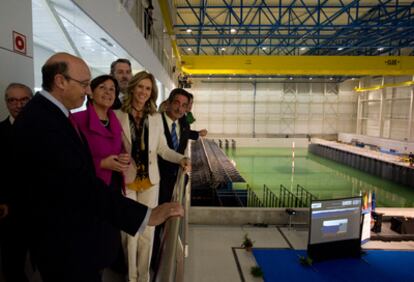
<point x="59" y="63"/>
<point x="67" y="78"/>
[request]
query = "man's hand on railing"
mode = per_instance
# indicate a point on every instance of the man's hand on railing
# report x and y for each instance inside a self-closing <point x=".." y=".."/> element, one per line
<point x="186" y="164"/>
<point x="162" y="212"/>
<point x="203" y="132"/>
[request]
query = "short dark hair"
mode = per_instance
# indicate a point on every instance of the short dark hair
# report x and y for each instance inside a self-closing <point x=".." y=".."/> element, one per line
<point x="114" y="63"/>
<point x="101" y="79"/>
<point x="179" y="91"/>
<point x="49" y="71"/>
<point x="191" y="96"/>
<point x="17" y="85"/>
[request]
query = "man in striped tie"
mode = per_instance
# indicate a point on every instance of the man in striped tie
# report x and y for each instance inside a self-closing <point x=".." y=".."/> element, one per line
<point x="174" y="137"/>
<point x="177" y="134"/>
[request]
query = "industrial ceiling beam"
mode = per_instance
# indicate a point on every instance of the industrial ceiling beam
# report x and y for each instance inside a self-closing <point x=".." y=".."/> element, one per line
<point x="166" y="15"/>
<point x="298" y="65"/>
<point x="323" y="27"/>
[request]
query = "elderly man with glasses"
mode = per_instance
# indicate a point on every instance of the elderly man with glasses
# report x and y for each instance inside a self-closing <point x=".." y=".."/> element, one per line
<point x="13" y="249"/>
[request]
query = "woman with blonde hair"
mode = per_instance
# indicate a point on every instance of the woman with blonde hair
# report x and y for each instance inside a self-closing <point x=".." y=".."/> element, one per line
<point x="144" y="139"/>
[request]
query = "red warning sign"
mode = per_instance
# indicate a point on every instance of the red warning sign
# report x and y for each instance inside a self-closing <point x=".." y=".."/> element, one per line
<point x="19" y="43"/>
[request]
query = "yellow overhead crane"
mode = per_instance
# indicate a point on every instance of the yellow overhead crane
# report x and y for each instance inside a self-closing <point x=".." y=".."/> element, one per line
<point x="298" y="65"/>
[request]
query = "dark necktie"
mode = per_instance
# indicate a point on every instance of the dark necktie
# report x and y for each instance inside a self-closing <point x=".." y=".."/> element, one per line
<point x="174" y="136"/>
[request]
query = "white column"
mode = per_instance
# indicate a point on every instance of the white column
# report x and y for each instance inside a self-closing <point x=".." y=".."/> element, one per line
<point x="16" y="46"/>
<point x="410" y="115"/>
<point x="359" y="111"/>
<point x="381" y="110"/>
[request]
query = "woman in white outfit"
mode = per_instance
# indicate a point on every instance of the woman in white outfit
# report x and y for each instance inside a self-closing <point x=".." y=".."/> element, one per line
<point x="144" y="139"/>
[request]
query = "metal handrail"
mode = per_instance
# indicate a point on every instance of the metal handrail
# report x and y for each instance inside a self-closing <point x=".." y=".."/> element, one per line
<point x="205" y="153"/>
<point x="171" y="237"/>
<point x="269" y="198"/>
<point x="305" y="196"/>
<point x="287" y="199"/>
<point x="174" y="244"/>
<point x="252" y="199"/>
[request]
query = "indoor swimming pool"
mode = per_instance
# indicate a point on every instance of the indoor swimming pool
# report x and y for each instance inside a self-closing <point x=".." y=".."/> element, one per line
<point x="323" y="178"/>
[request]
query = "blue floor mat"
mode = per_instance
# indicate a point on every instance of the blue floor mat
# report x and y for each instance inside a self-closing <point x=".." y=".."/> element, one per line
<point x="374" y="265"/>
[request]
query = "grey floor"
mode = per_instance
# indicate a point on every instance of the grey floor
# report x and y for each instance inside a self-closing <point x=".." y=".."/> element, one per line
<point x="215" y="254"/>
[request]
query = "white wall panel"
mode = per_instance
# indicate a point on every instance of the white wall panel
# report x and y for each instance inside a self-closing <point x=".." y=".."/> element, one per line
<point x="273" y="108"/>
<point x="392" y="120"/>
<point x="16" y="16"/>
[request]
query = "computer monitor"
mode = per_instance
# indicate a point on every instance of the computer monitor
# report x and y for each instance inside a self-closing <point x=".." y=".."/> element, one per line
<point x="335" y="228"/>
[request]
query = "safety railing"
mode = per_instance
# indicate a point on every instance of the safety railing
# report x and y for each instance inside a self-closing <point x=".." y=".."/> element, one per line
<point x="305" y="197"/>
<point x="252" y="199"/>
<point x="174" y="242"/>
<point x="141" y="14"/>
<point x="270" y="200"/>
<point x="287" y="199"/>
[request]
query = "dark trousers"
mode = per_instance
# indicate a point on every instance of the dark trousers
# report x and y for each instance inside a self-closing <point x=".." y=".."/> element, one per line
<point x="13" y="247"/>
<point x="91" y="276"/>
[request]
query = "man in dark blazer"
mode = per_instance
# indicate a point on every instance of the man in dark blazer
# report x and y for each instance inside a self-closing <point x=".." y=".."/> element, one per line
<point x="16" y="97"/>
<point x="62" y="205"/>
<point x="177" y="104"/>
<point x="12" y="246"/>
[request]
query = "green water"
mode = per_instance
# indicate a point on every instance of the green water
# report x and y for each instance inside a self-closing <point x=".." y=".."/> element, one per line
<point x="322" y="177"/>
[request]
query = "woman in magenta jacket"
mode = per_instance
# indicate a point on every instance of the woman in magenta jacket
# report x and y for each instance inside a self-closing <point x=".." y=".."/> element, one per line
<point x="103" y="133"/>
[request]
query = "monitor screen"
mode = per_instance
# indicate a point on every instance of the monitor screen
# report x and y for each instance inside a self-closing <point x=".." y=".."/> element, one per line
<point x="335" y="220"/>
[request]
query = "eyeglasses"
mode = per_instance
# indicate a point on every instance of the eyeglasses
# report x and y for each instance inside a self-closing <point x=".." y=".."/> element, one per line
<point x="23" y="100"/>
<point x="84" y="84"/>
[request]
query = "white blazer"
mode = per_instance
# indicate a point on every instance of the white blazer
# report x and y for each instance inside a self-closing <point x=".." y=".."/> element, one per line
<point x="157" y="144"/>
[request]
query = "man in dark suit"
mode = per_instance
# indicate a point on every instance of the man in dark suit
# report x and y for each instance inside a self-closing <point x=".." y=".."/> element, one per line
<point x="61" y="204"/>
<point x="12" y="247"/>
<point x="16" y="97"/>
<point x="176" y="107"/>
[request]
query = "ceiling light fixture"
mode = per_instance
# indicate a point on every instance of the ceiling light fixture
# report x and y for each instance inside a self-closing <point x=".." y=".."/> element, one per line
<point x="340" y="49"/>
<point x="189" y="30"/>
<point x="233" y="30"/>
<point x="223" y="49"/>
<point x="107" y="42"/>
<point x="380" y="49"/>
<point x="189" y="49"/>
<point x="302" y="48"/>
